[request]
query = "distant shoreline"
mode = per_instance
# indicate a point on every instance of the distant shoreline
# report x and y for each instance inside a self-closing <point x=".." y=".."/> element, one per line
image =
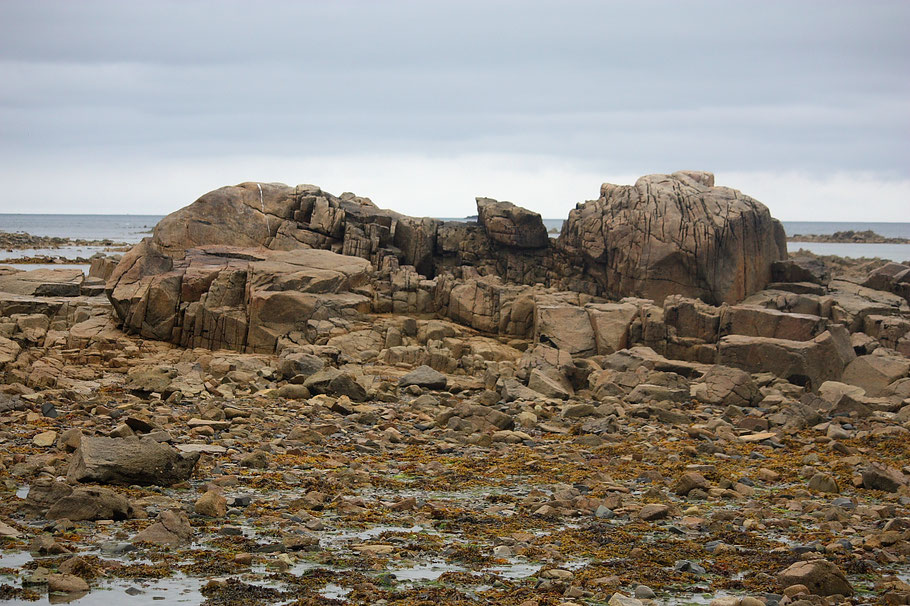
<point x="848" y="237"/>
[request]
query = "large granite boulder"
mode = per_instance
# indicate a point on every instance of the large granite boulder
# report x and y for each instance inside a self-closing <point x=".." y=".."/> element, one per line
<point x="675" y="234"/>
<point x="511" y="225"/>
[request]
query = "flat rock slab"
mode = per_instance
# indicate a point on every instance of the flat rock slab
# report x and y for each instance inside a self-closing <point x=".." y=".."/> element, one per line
<point x="424" y="376"/>
<point x="44" y="283"/>
<point x="202" y="448"/>
<point x="130" y="461"/>
<point x="209" y="423"/>
<point x="8" y="531"/>
<point x="758" y="437"/>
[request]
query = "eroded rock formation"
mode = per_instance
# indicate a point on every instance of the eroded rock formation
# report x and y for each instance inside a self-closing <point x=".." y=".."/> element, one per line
<point x="675" y="234"/>
<point x="245" y="265"/>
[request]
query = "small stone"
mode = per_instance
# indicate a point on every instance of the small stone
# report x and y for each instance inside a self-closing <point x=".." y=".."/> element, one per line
<point x="654" y="511"/>
<point x="823" y="482"/>
<point x="643" y="592"/>
<point x="211" y="504"/>
<point x="603" y="512"/>
<point x="559" y="574"/>
<point x="45" y="439"/>
<point x="243" y="559"/>
<point x="689" y="482"/>
<point x="172" y="528"/>
<point x="879" y="477"/>
<point x="405" y="504"/>
<point x="66" y="583"/>
<point x="373" y="549"/>
<point x="619" y="599"/>
<point x="256" y="460"/>
<point x="8" y="531"/>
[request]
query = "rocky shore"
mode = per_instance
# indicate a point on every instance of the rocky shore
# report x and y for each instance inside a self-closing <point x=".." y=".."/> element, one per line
<point x="21" y="241"/>
<point x="848" y="237"/>
<point x="284" y="396"/>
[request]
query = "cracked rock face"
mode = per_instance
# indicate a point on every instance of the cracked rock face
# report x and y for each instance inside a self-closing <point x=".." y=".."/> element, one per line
<point x="245" y="266"/>
<point x="675" y="234"/>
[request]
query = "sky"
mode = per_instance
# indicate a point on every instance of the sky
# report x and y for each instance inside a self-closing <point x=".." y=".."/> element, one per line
<point x="141" y="107"/>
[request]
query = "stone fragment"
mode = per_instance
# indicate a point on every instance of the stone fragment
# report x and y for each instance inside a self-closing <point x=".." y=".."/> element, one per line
<point x="618" y="599"/>
<point x="171" y="528"/>
<point x="688" y="482"/>
<point x="880" y="477"/>
<point x="654" y="511"/>
<point x="425" y="377"/>
<point x="549" y="386"/>
<point x="45" y="439"/>
<point x="823" y="482"/>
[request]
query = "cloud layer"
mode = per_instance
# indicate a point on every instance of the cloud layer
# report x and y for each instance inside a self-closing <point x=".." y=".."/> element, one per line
<point x="433" y="103"/>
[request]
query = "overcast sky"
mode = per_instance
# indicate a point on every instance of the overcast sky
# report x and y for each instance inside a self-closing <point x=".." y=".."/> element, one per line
<point x="141" y="107"/>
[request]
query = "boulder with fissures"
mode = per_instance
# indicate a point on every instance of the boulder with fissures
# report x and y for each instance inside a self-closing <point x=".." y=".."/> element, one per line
<point x="236" y="298"/>
<point x="675" y="234"/>
<point x="245" y="265"/>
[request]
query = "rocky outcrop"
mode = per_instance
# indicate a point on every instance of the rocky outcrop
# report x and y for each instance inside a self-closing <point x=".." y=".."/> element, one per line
<point x="675" y="234"/>
<point x="227" y="297"/>
<point x="244" y="265"/>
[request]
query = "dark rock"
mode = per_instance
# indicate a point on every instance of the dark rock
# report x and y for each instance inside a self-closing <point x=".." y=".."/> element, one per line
<point x="130" y="461"/>
<point x="425" y="377"/>
<point x="91" y="504"/>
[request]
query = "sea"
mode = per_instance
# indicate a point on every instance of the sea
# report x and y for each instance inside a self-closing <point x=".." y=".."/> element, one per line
<point x="130" y="229"/>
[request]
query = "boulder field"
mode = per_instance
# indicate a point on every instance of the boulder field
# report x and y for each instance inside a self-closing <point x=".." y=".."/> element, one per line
<point x="284" y="396"/>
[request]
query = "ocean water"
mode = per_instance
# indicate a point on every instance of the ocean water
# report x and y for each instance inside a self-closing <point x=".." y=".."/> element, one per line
<point x="132" y="228"/>
<point x="119" y="228"/>
<point x="894" y="252"/>
<point x="889" y="230"/>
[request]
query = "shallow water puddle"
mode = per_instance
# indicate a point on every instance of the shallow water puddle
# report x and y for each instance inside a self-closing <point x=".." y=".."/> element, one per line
<point x="334" y="592"/>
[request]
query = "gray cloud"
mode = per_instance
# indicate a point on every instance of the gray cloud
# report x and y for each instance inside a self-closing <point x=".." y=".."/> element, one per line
<point x="609" y="87"/>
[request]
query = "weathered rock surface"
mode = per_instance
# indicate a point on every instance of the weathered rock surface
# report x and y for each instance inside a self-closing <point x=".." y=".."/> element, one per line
<point x="171" y="528"/>
<point x="511" y="225"/>
<point x="675" y="234"/>
<point x="130" y="461"/>
<point x="603" y="433"/>
<point x="245" y="265"/>
<point x="821" y="577"/>
<point x="424" y="376"/>
<point x="91" y="504"/>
